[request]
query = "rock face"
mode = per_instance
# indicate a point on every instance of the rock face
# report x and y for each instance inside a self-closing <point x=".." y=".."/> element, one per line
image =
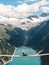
<point x="1" y="62"/>
<point x="5" y="47"/>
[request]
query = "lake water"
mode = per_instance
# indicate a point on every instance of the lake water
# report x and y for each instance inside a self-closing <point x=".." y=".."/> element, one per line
<point x="25" y="61"/>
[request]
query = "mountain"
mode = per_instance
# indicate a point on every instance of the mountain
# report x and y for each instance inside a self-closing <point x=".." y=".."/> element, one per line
<point x="32" y="16"/>
<point x="33" y="33"/>
<point x="5" y="47"/>
<point x="25" y="23"/>
<point x="44" y="14"/>
<point x="10" y="37"/>
<point x="39" y="35"/>
<point x="38" y="38"/>
<point x="16" y="37"/>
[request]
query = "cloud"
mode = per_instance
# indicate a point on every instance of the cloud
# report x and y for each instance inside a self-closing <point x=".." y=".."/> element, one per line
<point x="7" y="10"/>
<point x="26" y="9"/>
<point x="45" y="9"/>
<point x="29" y="0"/>
<point x="22" y="10"/>
<point x="36" y="6"/>
<point x="24" y="1"/>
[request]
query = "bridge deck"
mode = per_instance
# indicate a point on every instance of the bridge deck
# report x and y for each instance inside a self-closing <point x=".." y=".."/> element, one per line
<point x="18" y="56"/>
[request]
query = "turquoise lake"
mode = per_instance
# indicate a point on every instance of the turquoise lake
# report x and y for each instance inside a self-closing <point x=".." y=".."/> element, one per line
<point x="25" y="61"/>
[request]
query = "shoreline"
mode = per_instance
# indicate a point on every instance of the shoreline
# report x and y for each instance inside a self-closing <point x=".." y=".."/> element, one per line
<point x="12" y="57"/>
<point x="13" y="53"/>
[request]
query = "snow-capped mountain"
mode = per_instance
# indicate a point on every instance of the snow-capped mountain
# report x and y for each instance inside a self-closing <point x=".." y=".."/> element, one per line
<point x="25" y="23"/>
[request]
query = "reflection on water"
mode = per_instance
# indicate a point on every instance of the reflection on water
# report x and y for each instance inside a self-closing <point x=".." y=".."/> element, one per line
<point x="25" y="61"/>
